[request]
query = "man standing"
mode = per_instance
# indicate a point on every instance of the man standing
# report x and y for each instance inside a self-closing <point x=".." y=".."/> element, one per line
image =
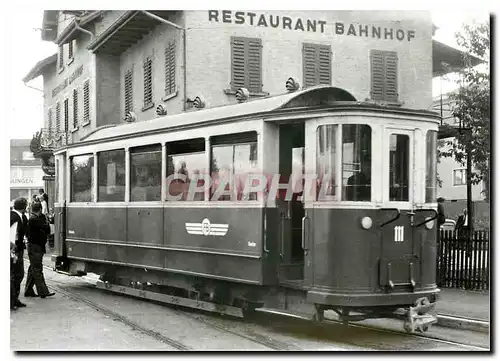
<point x="17" y="267"/>
<point x="44" y="200"/>
<point x="462" y="225"/>
<point x="38" y="229"/>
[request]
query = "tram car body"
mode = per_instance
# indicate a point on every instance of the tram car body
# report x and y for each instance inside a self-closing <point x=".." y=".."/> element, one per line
<point x="359" y="239"/>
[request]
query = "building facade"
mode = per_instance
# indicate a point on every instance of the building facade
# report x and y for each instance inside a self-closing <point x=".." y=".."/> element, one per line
<point x="124" y="64"/>
<point x="26" y="176"/>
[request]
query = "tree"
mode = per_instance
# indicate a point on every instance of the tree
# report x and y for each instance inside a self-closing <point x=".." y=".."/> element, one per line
<point x="470" y="104"/>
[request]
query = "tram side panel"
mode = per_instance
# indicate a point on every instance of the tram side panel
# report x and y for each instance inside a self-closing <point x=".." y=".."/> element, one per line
<point x="222" y="243"/>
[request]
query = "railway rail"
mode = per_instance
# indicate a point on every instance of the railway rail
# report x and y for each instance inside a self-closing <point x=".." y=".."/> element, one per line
<point x="264" y="340"/>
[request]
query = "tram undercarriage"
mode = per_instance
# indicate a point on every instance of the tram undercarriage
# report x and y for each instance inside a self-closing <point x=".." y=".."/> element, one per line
<point x="240" y="300"/>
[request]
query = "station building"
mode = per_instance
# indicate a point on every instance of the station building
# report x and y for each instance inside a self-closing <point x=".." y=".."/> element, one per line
<point x="114" y="67"/>
<point x="26" y="176"/>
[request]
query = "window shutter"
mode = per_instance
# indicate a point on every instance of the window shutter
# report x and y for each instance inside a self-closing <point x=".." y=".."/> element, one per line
<point x="378" y="75"/>
<point x="316" y="64"/>
<point x="309" y="65"/>
<point x="325" y="64"/>
<point x="86" y="101"/>
<point x="238" y="62"/>
<point x="170" y="69"/>
<point x="58" y="117"/>
<point x="75" y="108"/>
<point x="391" y="76"/>
<point x="66" y="114"/>
<point x="70" y="49"/>
<point x="61" y="56"/>
<point x="148" y="81"/>
<point x="254" y="64"/>
<point x="128" y="92"/>
<point x="49" y="125"/>
<point x="384" y="75"/>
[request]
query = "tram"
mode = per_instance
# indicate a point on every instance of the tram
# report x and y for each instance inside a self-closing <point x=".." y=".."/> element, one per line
<point x="344" y="219"/>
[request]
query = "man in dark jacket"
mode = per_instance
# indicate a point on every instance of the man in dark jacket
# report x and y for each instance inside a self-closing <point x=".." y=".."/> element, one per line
<point x="38" y="229"/>
<point x="18" y="217"/>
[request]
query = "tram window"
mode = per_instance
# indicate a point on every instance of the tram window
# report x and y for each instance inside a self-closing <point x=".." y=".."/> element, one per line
<point x="111" y="176"/>
<point x="430" y="168"/>
<point x="145" y="173"/>
<point x="356" y="162"/>
<point x="399" y="170"/>
<point x="82" y="178"/>
<point x="234" y="158"/>
<point x="326" y="160"/>
<point x="186" y="163"/>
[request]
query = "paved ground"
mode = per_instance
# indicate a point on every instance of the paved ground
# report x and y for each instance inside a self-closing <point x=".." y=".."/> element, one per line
<point x="467" y="304"/>
<point x="65" y="323"/>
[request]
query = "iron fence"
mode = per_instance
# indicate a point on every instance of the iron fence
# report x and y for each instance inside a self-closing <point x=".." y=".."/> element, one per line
<point x="463" y="262"/>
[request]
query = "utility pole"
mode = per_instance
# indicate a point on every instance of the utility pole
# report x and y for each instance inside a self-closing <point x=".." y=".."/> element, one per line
<point x="470" y="208"/>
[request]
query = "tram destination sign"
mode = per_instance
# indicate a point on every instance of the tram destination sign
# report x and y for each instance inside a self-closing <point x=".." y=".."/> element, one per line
<point x="310" y="25"/>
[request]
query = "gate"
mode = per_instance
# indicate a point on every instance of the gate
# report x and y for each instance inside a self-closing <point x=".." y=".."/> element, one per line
<point x="463" y="262"/>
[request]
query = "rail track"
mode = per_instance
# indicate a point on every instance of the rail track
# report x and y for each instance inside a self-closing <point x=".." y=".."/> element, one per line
<point x="264" y="340"/>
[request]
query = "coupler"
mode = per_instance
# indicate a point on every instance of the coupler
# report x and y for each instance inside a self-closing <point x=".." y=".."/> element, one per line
<point x="418" y="318"/>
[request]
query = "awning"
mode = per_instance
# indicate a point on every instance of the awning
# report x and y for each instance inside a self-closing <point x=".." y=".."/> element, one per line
<point x="446" y="59"/>
<point x="41" y="67"/>
<point x="126" y="31"/>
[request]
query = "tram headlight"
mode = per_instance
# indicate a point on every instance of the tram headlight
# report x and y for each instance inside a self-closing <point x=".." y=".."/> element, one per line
<point x="366" y="222"/>
<point x="429" y="224"/>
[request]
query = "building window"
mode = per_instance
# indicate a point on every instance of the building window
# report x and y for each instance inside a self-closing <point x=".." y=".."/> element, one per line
<point x="58" y="118"/>
<point x="82" y="178"/>
<point x="316" y="64"/>
<point x="49" y="121"/>
<point x="145" y="173"/>
<point x="170" y="69"/>
<point x="75" y="108"/>
<point x="384" y="76"/>
<point x="148" y="83"/>
<point x="28" y="156"/>
<point x="129" y="105"/>
<point x="86" y="102"/>
<point x="70" y="51"/>
<point x="186" y="163"/>
<point x="66" y="114"/>
<point x="399" y="170"/>
<point x="460" y="177"/>
<point x="111" y="176"/>
<point x="61" y="57"/>
<point x="233" y="158"/>
<point x="246" y="64"/>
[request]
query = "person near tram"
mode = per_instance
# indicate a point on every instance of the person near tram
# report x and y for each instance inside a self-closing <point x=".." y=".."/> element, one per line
<point x="19" y="225"/>
<point x="38" y="230"/>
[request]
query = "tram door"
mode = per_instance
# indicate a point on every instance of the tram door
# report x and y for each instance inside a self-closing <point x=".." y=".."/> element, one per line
<point x="400" y="266"/>
<point x="291" y="168"/>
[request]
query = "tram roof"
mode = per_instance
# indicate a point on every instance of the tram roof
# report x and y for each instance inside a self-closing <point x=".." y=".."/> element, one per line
<point x="321" y="94"/>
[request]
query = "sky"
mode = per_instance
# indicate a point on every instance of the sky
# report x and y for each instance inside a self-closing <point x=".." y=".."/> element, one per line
<point x="26" y="104"/>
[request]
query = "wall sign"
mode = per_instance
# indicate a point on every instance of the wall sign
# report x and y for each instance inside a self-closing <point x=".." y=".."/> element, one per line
<point x="78" y="72"/>
<point x="309" y="25"/>
<point x="22" y="181"/>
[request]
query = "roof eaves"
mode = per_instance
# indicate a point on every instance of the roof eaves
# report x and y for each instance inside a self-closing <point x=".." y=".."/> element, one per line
<point x="40" y="67"/>
<point x="106" y="34"/>
<point x="70" y="30"/>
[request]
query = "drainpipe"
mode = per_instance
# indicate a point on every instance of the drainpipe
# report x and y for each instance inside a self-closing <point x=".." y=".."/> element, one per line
<point x="160" y="19"/>
<point x="78" y="27"/>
